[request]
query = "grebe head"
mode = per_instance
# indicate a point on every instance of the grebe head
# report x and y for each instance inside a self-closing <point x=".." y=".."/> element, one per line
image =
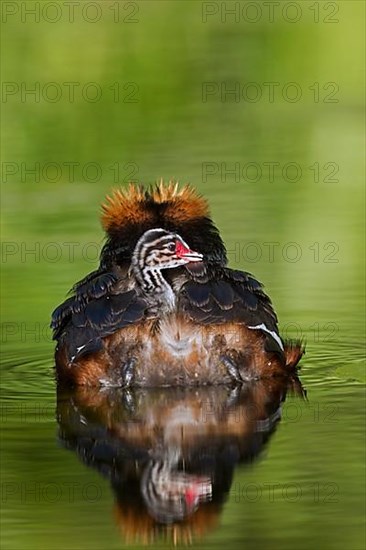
<point x="156" y="250"/>
<point x="160" y="249"/>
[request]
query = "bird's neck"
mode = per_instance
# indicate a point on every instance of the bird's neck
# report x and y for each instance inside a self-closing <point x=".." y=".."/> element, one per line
<point x="154" y="285"/>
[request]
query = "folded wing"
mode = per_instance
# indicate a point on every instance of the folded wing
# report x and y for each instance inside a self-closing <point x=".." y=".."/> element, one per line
<point x="235" y="296"/>
<point x="97" y="309"/>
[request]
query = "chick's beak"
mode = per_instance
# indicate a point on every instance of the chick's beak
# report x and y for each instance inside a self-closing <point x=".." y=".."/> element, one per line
<point x="184" y="252"/>
<point x="191" y="256"/>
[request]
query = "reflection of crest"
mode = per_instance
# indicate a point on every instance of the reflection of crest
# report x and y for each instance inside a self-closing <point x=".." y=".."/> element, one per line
<point x="170" y="453"/>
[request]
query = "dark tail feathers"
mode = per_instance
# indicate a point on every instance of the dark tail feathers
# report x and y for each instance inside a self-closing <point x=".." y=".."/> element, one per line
<point x="294" y="350"/>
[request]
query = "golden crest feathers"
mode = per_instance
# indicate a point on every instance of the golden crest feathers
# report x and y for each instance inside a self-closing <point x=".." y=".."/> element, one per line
<point x="137" y="205"/>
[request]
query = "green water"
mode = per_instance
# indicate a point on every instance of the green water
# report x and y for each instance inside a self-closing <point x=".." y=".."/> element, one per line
<point x="281" y="163"/>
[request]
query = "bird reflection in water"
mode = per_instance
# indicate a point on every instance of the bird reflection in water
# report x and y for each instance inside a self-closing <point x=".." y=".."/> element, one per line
<point x="170" y="453"/>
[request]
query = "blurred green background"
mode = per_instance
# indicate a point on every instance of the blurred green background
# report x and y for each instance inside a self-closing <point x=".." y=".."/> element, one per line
<point x="143" y="90"/>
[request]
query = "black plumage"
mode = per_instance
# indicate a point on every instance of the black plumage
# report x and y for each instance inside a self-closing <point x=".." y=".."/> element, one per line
<point x="236" y="297"/>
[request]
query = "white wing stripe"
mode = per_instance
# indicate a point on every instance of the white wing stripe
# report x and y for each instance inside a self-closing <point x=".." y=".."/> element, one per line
<point x="274" y="335"/>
